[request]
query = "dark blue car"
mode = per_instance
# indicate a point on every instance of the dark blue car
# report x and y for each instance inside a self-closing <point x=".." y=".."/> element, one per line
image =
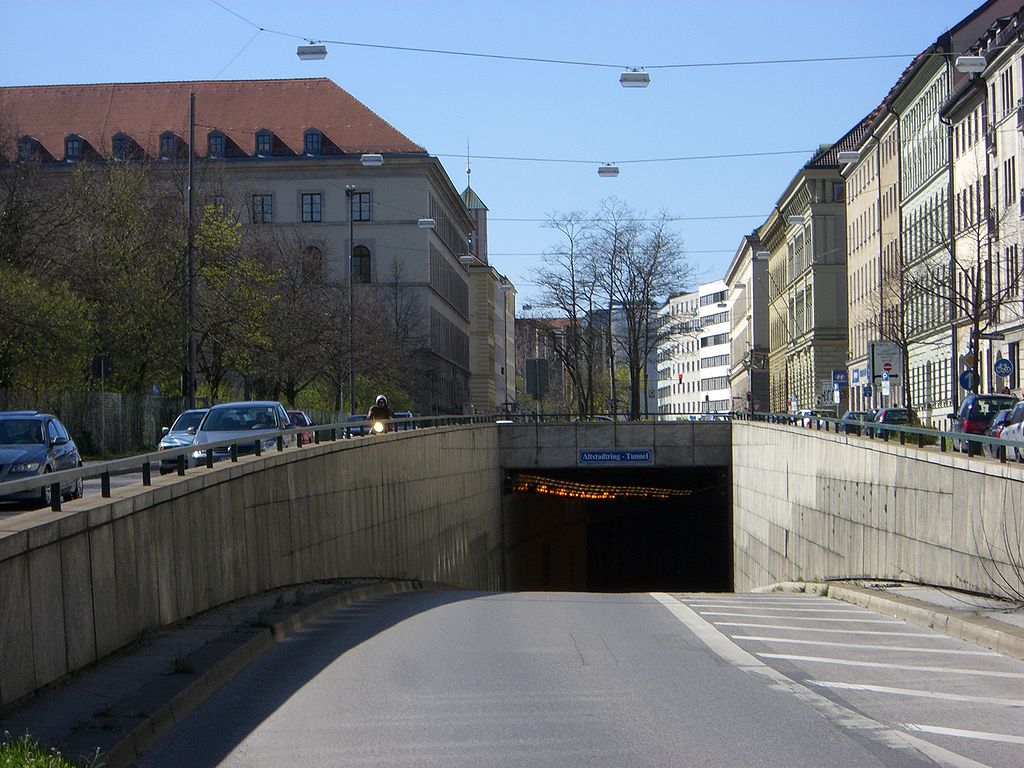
<point x="31" y="444"/>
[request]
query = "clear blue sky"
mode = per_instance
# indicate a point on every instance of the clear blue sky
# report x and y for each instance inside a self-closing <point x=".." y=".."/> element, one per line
<point x="534" y="110"/>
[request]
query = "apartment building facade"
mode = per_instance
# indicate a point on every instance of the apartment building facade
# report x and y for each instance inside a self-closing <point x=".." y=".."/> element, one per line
<point x="678" y="357"/>
<point x="302" y="156"/>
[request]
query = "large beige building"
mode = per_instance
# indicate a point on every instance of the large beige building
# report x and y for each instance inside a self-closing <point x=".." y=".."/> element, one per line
<point x="301" y="156"/>
<point x="807" y="290"/>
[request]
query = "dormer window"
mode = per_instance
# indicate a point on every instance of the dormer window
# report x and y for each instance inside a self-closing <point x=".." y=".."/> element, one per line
<point x="215" y="143"/>
<point x="28" y="148"/>
<point x="312" y="142"/>
<point x="170" y="145"/>
<point x="73" y="148"/>
<point x="264" y="143"/>
<point x="121" y="147"/>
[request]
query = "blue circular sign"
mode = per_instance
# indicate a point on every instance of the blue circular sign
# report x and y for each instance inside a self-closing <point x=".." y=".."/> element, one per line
<point x="967" y="379"/>
<point x="1003" y="367"/>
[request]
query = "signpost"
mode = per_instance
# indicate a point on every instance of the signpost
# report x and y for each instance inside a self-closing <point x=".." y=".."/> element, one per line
<point x="639" y="456"/>
<point x="967" y="380"/>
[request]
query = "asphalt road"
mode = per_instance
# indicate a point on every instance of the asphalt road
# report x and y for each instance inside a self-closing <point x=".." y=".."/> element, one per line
<point x="554" y="679"/>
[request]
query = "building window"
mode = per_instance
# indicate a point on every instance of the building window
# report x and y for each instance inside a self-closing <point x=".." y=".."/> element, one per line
<point x="168" y="146"/>
<point x="264" y="143"/>
<point x="361" y="264"/>
<point x="215" y="145"/>
<point x="312" y="142"/>
<point x="360" y="206"/>
<point x="73" y="148"/>
<point x="262" y="209"/>
<point x="121" y="147"/>
<point x="311" y="206"/>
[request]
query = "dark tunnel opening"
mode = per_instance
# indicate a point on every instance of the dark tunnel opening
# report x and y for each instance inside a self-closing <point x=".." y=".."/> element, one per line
<point x="617" y="530"/>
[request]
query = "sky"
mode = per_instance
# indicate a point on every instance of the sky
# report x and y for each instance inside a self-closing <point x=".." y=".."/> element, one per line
<point x="537" y="131"/>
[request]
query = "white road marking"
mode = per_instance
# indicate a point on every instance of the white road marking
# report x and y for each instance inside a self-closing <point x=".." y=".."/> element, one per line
<point x="838" y="714"/>
<point x="801" y="618"/>
<point x="915" y="693"/>
<point x="863" y="646"/>
<point x="788" y="610"/>
<point x="812" y="630"/>
<point x="940" y="731"/>
<point x="882" y="665"/>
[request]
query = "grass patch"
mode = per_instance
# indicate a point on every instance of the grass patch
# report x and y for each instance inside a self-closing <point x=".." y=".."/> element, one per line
<point x="24" y="752"/>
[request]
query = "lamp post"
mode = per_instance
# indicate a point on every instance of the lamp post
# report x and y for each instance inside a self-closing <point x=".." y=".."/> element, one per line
<point x="350" y="190"/>
<point x="190" y="297"/>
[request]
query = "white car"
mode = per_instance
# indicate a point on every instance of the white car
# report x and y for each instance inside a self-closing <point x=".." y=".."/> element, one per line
<point x="248" y="422"/>
<point x="1013" y="429"/>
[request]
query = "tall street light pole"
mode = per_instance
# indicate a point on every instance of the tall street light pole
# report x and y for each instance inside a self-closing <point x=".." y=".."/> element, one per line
<point x="190" y="300"/>
<point x="350" y="190"/>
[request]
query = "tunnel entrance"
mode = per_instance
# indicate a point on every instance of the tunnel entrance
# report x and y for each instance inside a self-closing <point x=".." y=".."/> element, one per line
<point x="616" y="530"/>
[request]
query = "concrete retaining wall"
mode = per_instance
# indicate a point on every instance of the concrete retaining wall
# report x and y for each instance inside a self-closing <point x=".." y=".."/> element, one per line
<point x="810" y="506"/>
<point x="78" y="585"/>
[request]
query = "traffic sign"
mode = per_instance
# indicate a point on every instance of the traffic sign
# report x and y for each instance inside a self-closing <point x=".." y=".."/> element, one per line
<point x="840" y="377"/>
<point x="885" y="377"/>
<point x="967" y="379"/>
<point x="867" y="390"/>
<point x="1003" y="367"/>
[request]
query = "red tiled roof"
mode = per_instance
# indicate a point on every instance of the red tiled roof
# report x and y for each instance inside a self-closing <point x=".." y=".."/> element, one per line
<point x="239" y="108"/>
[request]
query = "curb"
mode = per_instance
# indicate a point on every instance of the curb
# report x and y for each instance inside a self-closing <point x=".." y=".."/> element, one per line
<point x="1004" y="638"/>
<point x="1001" y="637"/>
<point x="230" y="663"/>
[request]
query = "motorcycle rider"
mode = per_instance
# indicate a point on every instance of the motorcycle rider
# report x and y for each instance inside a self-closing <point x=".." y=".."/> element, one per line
<point x="382" y="412"/>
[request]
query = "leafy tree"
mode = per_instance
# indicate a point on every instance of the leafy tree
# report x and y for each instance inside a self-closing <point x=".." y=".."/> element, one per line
<point x="47" y="335"/>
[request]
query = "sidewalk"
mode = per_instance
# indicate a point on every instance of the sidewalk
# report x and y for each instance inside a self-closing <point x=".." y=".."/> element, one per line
<point x="124" y="704"/>
<point x="989" y="622"/>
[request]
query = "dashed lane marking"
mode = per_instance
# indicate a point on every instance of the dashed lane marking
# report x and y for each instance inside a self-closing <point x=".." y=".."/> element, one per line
<point x="915" y="693"/>
<point x="863" y="646"/>
<point x="812" y="630"/>
<point x="883" y="665"/>
<point x="1005" y="738"/>
<point x="800" y="618"/>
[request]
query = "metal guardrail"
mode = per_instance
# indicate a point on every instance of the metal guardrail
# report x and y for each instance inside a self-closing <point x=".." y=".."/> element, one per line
<point x="144" y="462"/>
<point x="969" y="443"/>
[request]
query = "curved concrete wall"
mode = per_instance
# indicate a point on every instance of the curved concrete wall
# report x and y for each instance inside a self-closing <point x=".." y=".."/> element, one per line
<point x="810" y="505"/>
<point x="77" y="585"/>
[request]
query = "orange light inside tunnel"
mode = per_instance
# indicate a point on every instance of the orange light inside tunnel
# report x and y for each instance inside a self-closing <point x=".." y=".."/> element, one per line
<point x="592" y="491"/>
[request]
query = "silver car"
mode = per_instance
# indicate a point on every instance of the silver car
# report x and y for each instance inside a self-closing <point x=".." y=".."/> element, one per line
<point x="181" y="433"/>
<point x="248" y="422"/>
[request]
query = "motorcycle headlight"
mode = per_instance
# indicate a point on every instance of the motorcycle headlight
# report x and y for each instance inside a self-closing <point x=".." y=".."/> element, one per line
<point x="378" y="427"/>
<point x="28" y="466"/>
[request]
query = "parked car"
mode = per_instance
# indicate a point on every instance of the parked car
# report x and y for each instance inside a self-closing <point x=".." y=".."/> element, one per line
<point x="403" y="421"/>
<point x="247" y="422"/>
<point x="359" y="430"/>
<point x="809" y="416"/>
<point x="1013" y="429"/>
<point x="896" y="416"/>
<point x="853" y="421"/>
<point x="975" y="414"/>
<point x="301" y="419"/>
<point x="31" y="444"/>
<point x="995" y="430"/>
<point x="181" y="433"/>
